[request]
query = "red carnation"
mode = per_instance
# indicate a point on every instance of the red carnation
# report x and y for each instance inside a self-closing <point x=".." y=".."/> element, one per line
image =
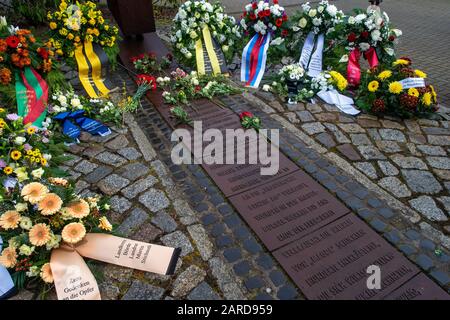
<point x="351" y="37"/>
<point x="267" y="13"/>
<point x="12" y="42"/>
<point x="245" y="14"/>
<point x="246" y="114"/>
<point x="252" y="16"/>
<point x="254" y="5"/>
<point x="284" y="33"/>
<point x="279" y="22"/>
<point x="261" y="14"/>
<point x="364" y="35"/>
<point x="275" y="1"/>
<point x="285" y="17"/>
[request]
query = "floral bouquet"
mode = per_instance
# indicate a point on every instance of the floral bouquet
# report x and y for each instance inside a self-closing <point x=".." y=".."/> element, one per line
<point x="182" y="87"/>
<point x="40" y="216"/>
<point x="322" y="19"/>
<point x="24" y="58"/>
<point x="371" y="35"/>
<point x="263" y="18"/>
<point x="148" y="63"/>
<point x="315" y="27"/>
<point x="248" y="121"/>
<point x="291" y="82"/>
<point x="78" y="22"/>
<point x="26" y="152"/>
<point x="200" y="21"/>
<point x="329" y="80"/>
<point x="397" y="89"/>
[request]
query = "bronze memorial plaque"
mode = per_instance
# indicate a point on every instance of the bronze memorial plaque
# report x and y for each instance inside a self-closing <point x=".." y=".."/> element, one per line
<point x="288" y="208"/>
<point x="332" y="262"/>
<point x="419" y="288"/>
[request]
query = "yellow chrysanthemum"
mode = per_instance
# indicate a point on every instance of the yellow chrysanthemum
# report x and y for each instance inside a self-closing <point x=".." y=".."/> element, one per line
<point x="413" y="92"/>
<point x="420" y="74"/>
<point x="401" y="62"/>
<point x="433" y="92"/>
<point x="426" y="99"/>
<point x="385" y="75"/>
<point x="395" y="87"/>
<point x="373" y="86"/>
<point x="53" y="25"/>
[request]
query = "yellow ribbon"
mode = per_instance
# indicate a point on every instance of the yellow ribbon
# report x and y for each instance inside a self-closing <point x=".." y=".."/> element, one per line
<point x="211" y="53"/>
<point x="83" y="72"/>
<point x="96" y="67"/>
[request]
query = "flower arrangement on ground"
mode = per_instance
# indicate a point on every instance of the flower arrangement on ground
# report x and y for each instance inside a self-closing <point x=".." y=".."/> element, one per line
<point x="26" y="152"/>
<point x="291" y="83"/>
<point x="249" y="121"/>
<point x="20" y="50"/>
<point x="38" y="217"/>
<point x="369" y="34"/>
<point x="263" y="18"/>
<point x="396" y="89"/>
<point x="148" y="63"/>
<point x="189" y="27"/>
<point x="77" y="22"/>
<point x="322" y="19"/>
<point x="182" y="87"/>
<point x="329" y="80"/>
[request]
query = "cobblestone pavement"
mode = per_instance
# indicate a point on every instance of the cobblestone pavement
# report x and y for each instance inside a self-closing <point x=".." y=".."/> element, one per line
<point x="406" y="162"/>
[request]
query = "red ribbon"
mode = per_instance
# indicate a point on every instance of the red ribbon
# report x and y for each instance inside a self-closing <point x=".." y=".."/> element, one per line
<point x="254" y="58"/>
<point x="35" y="106"/>
<point x="354" y="68"/>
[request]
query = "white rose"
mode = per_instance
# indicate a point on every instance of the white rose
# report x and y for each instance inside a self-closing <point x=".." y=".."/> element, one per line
<point x="376" y="35"/>
<point x="20" y="141"/>
<point x="277" y="41"/>
<point x="312" y="13"/>
<point x="266" y="88"/>
<point x="320" y="9"/>
<point x="351" y="20"/>
<point x="360" y="17"/>
<point x="188" y="55"/>
<point x="317" y="21"/>
<point x="364" y="46"/>
<point x="38" y="173"/>
<point x="62" y="99"/>
<point x="193" y="34"/>
<point x="225" y="48"/>
<point x="332" y="10"/>
<point x="302" y="23"/>
<point x="75" y="102"/>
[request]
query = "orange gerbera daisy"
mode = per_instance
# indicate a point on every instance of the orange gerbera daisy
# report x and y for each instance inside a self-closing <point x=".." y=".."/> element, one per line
<point x="78" y="209"/>
<point x="46" y="273"/>
<point x="39" y="235"/>
<point x="51" y="204"/>
<point x="34" y="192"/>
<point x="8" y="259"/>
<point x="10" y="220"/>
<point x="73" y="233"/>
